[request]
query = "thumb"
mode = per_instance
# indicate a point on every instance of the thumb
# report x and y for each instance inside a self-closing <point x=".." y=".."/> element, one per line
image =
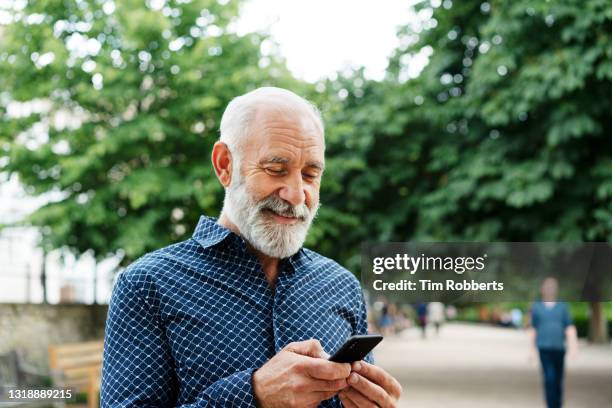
<point x="311" y="348"/>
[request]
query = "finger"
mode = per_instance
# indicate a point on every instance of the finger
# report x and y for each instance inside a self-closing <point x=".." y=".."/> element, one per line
<point x="313" y="399"/>
<point x="326" y="370"/>
<point x="327" y="385"/>
<point x="346" y="402"/>
<point x="370" y="390"/>
<point x="357" y="398"/>
<point x="311" y="348"/>
<point x="378" y="376"/>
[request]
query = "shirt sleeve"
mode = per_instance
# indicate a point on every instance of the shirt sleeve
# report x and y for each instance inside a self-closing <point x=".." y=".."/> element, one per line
<point x="138" y="368"/>
<point x="360" y="328"/>
<point x="362" y="322"/>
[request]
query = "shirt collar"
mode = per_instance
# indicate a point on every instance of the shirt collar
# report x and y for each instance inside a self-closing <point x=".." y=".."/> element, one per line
<point x="209" y="232"/>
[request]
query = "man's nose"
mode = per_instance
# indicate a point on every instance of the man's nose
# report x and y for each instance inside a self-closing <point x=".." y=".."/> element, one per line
<point x="293" y="191"/>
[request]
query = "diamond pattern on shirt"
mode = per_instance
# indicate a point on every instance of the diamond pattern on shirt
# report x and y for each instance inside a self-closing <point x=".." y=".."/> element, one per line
<point x="189" y="323"/>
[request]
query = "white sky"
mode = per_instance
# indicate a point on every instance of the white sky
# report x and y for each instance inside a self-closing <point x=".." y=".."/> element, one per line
<point x="316" y="37"/>
<point x="320" y="37"/>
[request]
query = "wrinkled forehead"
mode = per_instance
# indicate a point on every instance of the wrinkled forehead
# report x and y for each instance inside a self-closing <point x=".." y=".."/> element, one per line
<point x="298" y="116"/>
<point x="294" y="127"/>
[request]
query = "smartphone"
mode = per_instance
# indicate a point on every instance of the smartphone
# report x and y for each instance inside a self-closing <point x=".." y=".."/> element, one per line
<point x="356" y="347"/>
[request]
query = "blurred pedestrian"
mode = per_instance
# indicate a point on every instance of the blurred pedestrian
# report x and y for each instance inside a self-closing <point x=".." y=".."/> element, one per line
<point x="451" y="312"/>
<point x="550" y="332"/>
<point x="435" y="315"/>
<point x="422" y="318"/>
<point x="385" y="322"/>
<point x="517" y="317"/>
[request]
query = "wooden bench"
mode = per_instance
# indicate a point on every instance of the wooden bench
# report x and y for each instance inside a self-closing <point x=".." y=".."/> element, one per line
<point x="78" y="366"/>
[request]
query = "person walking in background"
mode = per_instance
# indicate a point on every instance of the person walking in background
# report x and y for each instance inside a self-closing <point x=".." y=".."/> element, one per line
<point x="385" y="322"/>
<point x="435" y="315"/>
<point x="516" y="316"/>
<point x="551" y="330"/>
<point x="422" y="318"/>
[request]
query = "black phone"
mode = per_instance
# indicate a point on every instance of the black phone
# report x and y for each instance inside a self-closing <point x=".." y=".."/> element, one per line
<point x="356" y="348"/>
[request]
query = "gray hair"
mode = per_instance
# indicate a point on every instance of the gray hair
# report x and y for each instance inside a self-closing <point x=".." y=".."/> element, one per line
<point x="239" y="113"/>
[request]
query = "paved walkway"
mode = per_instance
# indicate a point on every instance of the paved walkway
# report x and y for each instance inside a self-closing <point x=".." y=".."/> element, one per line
<point x="479" y="366"/>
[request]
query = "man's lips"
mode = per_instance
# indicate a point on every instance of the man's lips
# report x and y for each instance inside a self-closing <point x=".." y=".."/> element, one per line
<point x="281" y="219"/>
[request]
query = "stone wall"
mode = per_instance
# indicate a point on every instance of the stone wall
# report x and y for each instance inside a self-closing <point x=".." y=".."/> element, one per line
<point x="30" y="328"/>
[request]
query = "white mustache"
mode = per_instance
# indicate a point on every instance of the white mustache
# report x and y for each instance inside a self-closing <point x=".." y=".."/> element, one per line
<point x="279" y="206"/>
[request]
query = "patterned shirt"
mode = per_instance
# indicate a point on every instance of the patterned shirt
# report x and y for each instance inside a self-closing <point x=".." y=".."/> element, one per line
<point x="189" y="323"/>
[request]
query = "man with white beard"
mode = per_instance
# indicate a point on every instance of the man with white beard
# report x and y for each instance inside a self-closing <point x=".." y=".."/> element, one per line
<point x="241" y="314"/>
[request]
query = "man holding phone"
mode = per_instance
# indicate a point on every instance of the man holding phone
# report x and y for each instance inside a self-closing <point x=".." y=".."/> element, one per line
<point x="241" y="314"/>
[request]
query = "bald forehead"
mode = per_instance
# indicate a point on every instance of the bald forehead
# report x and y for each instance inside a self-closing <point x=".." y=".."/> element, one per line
<point x="284" y="137"/>
<point x="287" y="119"/>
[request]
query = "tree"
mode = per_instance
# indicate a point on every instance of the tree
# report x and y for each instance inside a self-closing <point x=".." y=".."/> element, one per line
<point x="132" y="94"/>
<point x="503" y="136"/>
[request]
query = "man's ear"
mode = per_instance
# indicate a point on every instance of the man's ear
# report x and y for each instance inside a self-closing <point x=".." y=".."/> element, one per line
<point x="222" y="163"/>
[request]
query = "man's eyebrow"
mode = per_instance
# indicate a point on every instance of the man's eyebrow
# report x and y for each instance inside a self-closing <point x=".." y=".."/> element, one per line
<point x="283" y="160"/>
<point x="274" y="159"/>
<point x="316" y="164"/>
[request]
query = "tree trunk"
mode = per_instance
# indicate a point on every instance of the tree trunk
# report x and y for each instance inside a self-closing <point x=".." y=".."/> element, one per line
<point x="598" y="324"/>
<point x="43" y="276"/>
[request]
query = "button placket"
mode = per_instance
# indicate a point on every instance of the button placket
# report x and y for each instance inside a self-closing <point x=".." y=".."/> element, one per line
<point x="279" y="294"/>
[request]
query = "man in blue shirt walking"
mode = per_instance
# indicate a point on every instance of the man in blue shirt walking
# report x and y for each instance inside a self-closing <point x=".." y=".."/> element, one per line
<point x="241" y="314"/>
<point x="551" y="328"/>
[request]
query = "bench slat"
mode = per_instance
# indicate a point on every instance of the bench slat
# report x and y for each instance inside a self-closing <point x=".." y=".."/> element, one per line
<point x="75" y="348"/>
<point x="77" y="361"/>
<point x="80" y="366"/>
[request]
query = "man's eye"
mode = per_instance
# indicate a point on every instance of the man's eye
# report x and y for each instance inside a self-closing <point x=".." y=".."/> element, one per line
<point x="309" y="176"/>
<point x="276" y="172"/>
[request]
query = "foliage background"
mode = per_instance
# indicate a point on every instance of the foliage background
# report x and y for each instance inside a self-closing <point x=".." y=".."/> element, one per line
<point x="503" y="136"/>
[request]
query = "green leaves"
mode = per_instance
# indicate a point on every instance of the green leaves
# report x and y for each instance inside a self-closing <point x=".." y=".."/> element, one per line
<point x="572" y="126"/>
<point x="503" y="136"/>
<point x="509" y="140"/>
<point x="133" y="98"/>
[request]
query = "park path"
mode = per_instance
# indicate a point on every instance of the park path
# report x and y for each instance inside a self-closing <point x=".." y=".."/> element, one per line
<point x="479" y="366"/>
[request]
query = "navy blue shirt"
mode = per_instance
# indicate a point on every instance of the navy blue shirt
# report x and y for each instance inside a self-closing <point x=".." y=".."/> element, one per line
<point x="550" y="324"/>
<point x="189" y="323"/>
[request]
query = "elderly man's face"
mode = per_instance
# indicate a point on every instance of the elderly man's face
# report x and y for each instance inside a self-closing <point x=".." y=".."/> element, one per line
<point x="284" y="156"/>
<point x="277" y="194"/>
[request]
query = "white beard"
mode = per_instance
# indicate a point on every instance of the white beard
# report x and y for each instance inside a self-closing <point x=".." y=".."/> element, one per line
<point x="256" y="225"/>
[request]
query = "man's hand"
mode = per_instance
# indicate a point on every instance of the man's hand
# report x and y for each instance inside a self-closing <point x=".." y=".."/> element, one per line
<point x="370" y="386"/>
<point x="299" y="376"/>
